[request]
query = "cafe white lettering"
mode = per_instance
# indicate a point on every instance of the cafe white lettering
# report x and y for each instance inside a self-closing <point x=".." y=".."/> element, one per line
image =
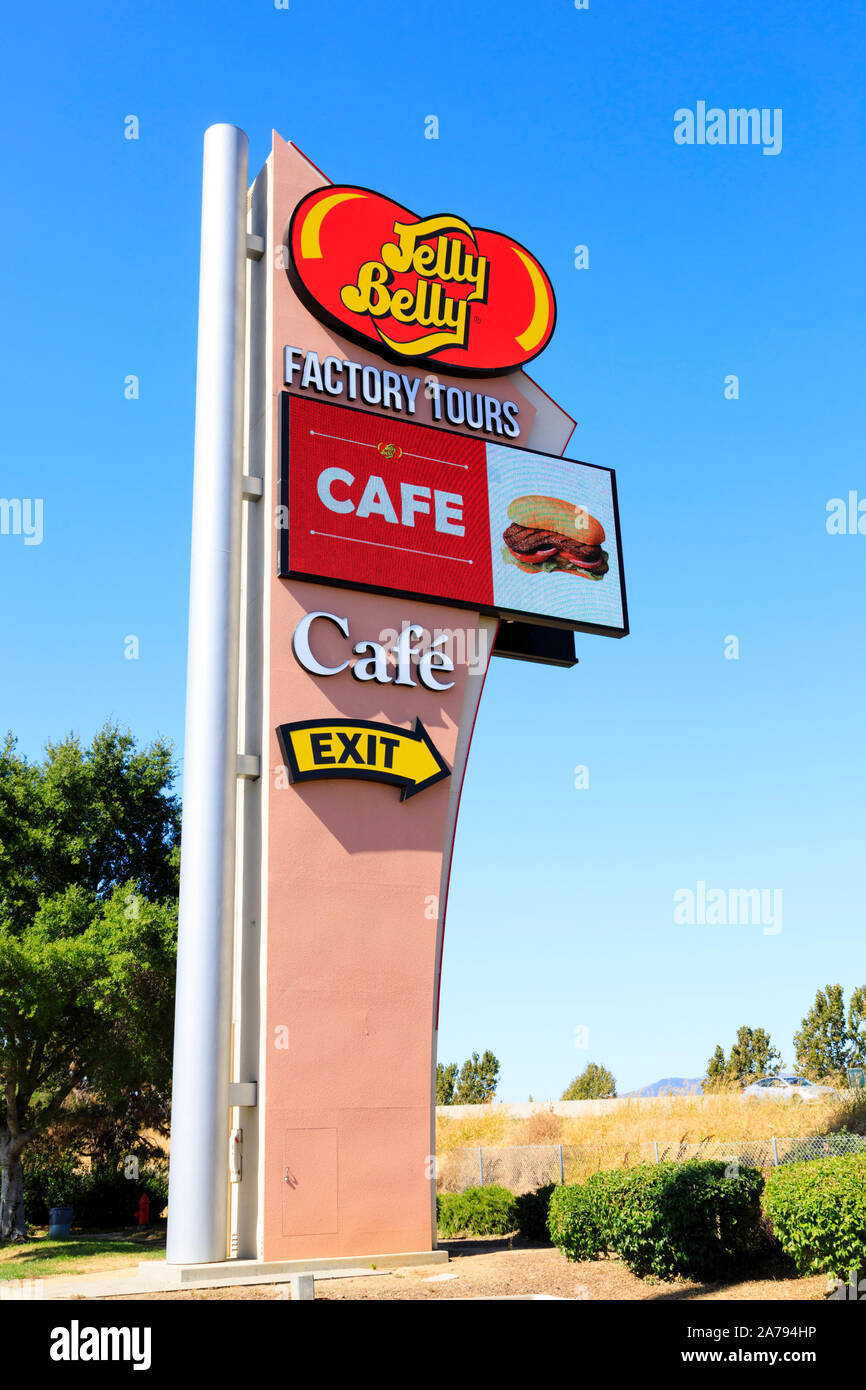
<point x="372" y="656"/>
<point x="375" y="500"/>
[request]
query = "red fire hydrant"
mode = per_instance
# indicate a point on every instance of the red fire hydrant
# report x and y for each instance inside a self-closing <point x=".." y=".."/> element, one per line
<point x="142" y="1213"/>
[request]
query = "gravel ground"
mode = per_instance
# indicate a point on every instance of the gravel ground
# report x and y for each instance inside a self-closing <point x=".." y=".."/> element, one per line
<point x="495" y="1269"/>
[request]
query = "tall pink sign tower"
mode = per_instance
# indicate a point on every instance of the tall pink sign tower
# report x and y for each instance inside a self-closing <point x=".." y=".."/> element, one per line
<point x="380" y="507"/>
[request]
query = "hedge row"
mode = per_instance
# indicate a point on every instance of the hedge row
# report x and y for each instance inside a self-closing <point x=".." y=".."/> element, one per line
<point x="663" y="1219"/>
<point x="479" y="1211"/>
<point x="818" y="1213"/>
<point x="494" y="1211"/>
<point x="101" y="1197"/>
<point x="697" y="1219"/>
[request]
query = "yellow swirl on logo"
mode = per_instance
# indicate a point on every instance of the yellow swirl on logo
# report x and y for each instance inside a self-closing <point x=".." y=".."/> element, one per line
<point x="431" y="342"/>
<point x="311" y="247"/>
<point x="533" y="334"/>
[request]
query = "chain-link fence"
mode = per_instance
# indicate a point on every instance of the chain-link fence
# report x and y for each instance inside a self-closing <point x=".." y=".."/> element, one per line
<point x="523" y="1168"/>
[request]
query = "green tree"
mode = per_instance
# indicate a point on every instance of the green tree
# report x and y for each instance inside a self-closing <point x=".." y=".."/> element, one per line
<point x="717" y="1071"/>
<point x="752" y="1055"/>
<point x="445" y="1079"/>
<point x="857" y="1027"/>
<point x="594" y="1083"/>
<point x="477" y="1080"/>
<point x="829" y="1039"/>
<point x="88" y="927"/>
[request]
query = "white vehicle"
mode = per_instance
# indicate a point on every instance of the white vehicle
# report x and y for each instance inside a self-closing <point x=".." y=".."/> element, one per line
<point x="785" y="1087"/>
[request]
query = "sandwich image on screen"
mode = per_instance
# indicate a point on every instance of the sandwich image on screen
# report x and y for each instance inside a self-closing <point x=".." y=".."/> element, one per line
<point x="547" y="534"/>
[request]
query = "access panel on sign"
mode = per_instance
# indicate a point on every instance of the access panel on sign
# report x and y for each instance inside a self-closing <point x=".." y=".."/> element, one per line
<point x="311" y="1203"/>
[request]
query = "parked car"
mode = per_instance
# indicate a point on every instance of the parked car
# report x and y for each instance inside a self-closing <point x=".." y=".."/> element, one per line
<point x="785" y="1087"/>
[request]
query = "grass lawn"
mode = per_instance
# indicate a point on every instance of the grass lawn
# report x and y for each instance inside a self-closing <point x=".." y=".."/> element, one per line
<point x="41" y="1257"/>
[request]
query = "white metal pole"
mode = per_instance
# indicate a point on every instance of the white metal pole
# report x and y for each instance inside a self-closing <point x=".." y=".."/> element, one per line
<point x="197" y="1213"/>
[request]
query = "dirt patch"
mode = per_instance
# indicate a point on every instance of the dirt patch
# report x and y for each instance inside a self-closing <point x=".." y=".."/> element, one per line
<point x="495" y="1269"/>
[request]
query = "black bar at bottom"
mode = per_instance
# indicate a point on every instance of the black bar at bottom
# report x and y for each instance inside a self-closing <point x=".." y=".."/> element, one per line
<point x="549" y="646"/>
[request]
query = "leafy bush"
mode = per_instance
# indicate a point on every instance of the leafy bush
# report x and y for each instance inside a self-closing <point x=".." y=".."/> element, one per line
<point x="532" y="1209"/>
<point x="479" y="1211"/>
<point x="573" y="1224"/>
<point x="686" y="1219"/>
<point x="110" y="1199"/>
<point x="579" y="1217"/>
<point x="49" y="1181"/>
<point x="818" y="1213"/>
<point x="101" y="1197"/>
<point x="663" y="1219"/>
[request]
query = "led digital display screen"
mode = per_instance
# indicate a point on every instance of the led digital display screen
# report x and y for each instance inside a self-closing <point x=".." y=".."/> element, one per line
<point x="377" y="503"/>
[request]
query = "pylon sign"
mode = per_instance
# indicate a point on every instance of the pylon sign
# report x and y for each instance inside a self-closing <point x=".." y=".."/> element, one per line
<point x="401" y="524"/>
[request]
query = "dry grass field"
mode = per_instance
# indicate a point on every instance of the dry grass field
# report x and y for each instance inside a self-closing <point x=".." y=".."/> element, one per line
<point x="621" y="1135"/>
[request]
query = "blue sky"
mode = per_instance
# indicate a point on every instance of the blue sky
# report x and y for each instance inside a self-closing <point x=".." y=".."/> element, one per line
<point x="555" y="125"/>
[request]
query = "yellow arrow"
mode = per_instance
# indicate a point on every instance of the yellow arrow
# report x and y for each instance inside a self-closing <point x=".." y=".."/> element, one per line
<point x="315" y="749"/>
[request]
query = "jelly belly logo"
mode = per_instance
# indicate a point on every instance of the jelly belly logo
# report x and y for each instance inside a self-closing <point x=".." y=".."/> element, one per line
<point x="417" y="289"/>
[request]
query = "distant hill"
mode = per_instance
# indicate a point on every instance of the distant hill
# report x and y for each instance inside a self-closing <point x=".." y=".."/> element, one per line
<point x="671" y="1085"/>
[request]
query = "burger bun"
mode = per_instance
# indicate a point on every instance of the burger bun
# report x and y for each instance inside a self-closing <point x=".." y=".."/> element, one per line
<point x="552" y="514"/>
